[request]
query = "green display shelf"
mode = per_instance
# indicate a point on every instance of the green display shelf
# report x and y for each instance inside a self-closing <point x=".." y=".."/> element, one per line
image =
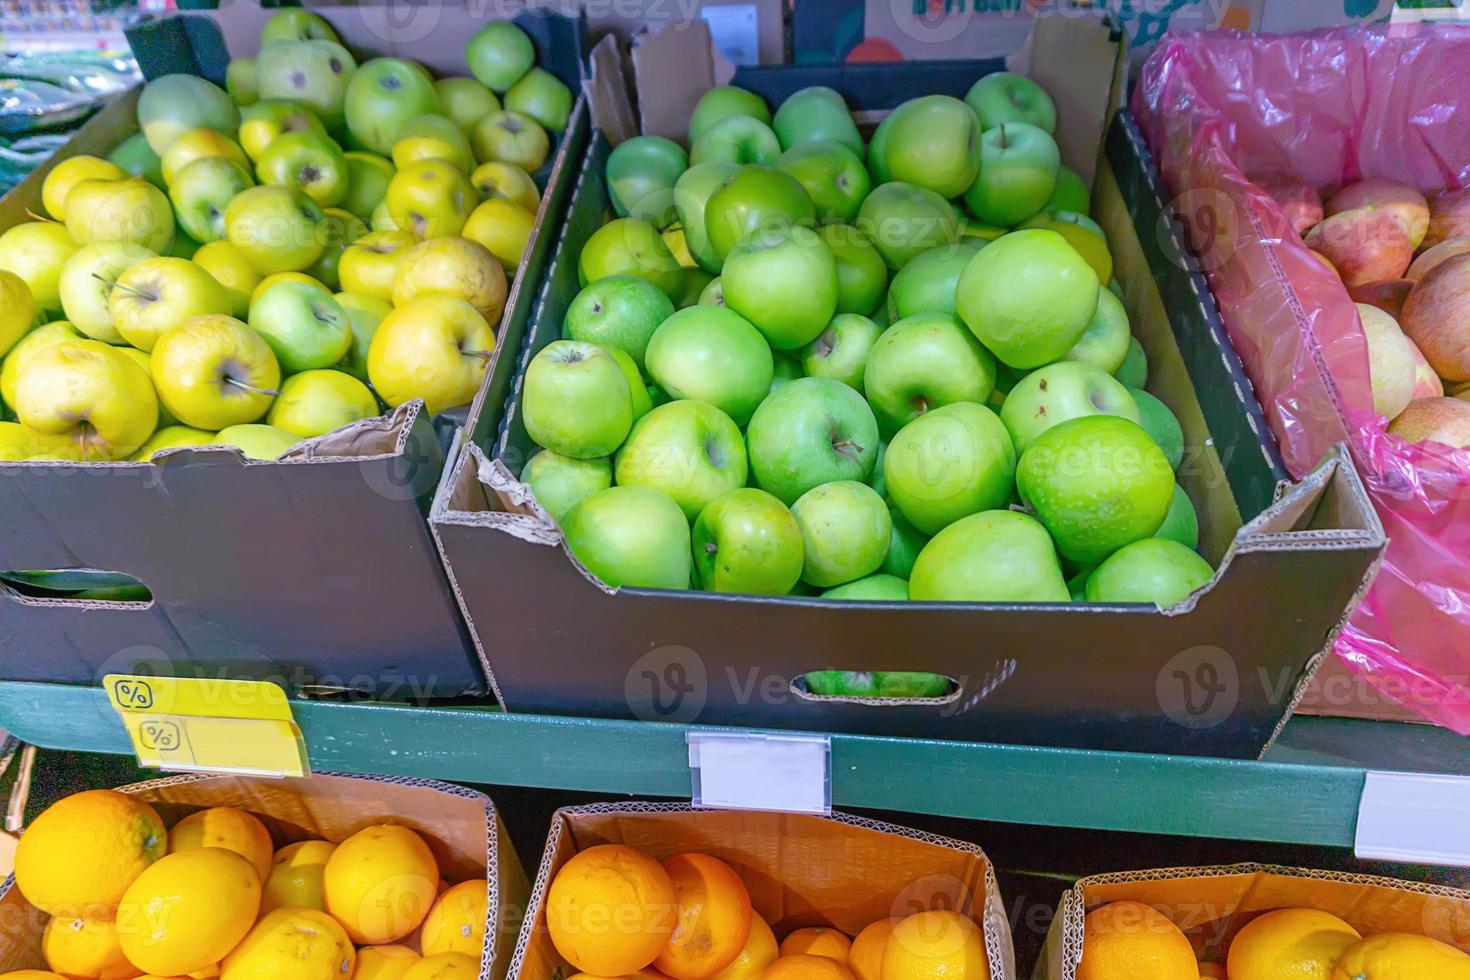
<point x="1306" y="791"/>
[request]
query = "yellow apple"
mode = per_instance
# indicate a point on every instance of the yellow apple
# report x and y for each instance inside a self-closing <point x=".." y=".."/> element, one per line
<point x="504" y="228"/>
<point x="90" y="394"/>
<point x="382" y="219"/>
<point x="314" y="403"/>
<point x="130" y="210"/>
<point x="432" y="137"/>
<point x="456" y="267"/>
<point x="36" y="251"/>
<point x="232" y="270"/>
<point x="172" y="437"/>
<point x="369" y="264"/>
<point x="17" y="443"/>
<point x="430" y="198"/>
<point x="86" y="285"/>
<point x="497" y="179"/>
<point x="511" y="137"/>
<point x="277" y="227"/>
<point x="198" y="143"/>
<point x="69" y="172"/>
<point x="433" y="347"/>
<point x="37" y="340"/>
<point x="262" y="122"/>
<point x="144" y="361"/>
<point x="17" y="311"/>
<point x="365" y="312"/>
<point x="256" y="441"/>
<point x="265" y="284"/>
<point x="214" y="371"/>
<point x="156" y="294"/>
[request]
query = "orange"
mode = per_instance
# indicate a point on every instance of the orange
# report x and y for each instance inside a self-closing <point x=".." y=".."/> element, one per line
<point x="805" y="966"/>
<point x="1402" y="956"/>
<point x="1212" y="971"/>
<point x="78" y="948"/>
<point x="713" y="908"/>
<point x="456" y="923"/>
<point x="759" y="952"/>
<point x="292" y="944"/>
<point x="380" y="883"/>
<point x="865" y="958"/>
<point x="818" y="941"/>
<point x="80" y="855"/>
<point x="187" y="911"/>
<point x="1131" y="941"/>
<point x="936" y="946"/>
<point x="444" y="966"/>
<point x="224" y="826"/>
<point x="295" y="879"/>
<point x="610" y="910"/>
<point x="383" y="962"/>
<point x="1303" y="944"/>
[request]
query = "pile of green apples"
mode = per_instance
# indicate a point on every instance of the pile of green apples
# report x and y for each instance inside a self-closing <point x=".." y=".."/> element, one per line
<point x="270" y="263"/>
<point x="802" y="364"/>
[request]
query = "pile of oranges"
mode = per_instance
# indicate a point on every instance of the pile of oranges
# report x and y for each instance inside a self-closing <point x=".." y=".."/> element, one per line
<point x="1132" y="941"/>
<point x="213" y="897"/>
<point x="613" y="911"/>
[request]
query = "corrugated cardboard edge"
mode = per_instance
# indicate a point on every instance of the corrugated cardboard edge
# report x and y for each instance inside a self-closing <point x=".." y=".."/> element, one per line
<point x="606" y="92"/>
<point x="998" y="944"/>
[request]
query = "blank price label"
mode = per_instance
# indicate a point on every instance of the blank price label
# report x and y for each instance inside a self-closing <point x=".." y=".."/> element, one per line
<point x="1414" y="818"/>
<point x="756" y="771"/>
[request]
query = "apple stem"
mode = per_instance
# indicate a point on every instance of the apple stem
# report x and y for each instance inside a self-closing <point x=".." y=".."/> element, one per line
<point x="37" y="217"/>
<point x="250" y="387"/>
<point x="477" y="353"/>
<point x="847" y="448"/>
<point x="127" y="289"/>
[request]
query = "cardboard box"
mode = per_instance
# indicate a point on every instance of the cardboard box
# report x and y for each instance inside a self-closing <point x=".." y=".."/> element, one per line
<point x="1211" y="905"/>
<point x="317" y="570"/>
<point x="1215" y="675"/>
<point x="801" y="871"/>
<point x="460" y="826"/>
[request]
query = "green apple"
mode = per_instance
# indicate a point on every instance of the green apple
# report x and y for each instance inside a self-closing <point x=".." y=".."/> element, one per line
<point x="120" y="211"/>
<point x="90" y="395"/>
<point x="783" y="279"/>
<point x="1097" y="483"/>
<point x="618" y="311"/>
<point x="1104" y="344"/>
<point x="641" y="173"/>
<point x="689" y="450"/>
<point x="306" y="160"/>
<point x="713" y="293"/>
<point x="861" y="273"/>
<point x="465" y="100"/>
<point x="638" y="391"/>
<point x="692" y="190"/>
<point x="1181" y="523"/>
<point x="816" y="113"/>
<point x="1006" y="97"/>
<point x="1134" y="370"/>
<point x="752" y="198"/>
<point x="933" y="142"/>
<point x="878" y="587"/>
<point x="314" y="403"/>
<point x="1018" y="173"/>
<point x="927" y="283"/>
<point x="154" y="295"/>
<point x="278" y="228"/>
<point x="903" y="220"/>
<point x="542" y="96"/>
<point x="878" y="154"/>
<point x="241" y="81"/>
<point x="949" y="463"/>
<point x="304" y="325"/>
<point x="511" y="137"/>
<point x="841" y="351"/>
<point x="213" y="371"/>
<point x="576" y="401"/>
<point x="808" y="432"/>
<point x="696" y="281"/>
<point x="365" y="312"/>
<point x="339" y="229"/>
<point x="435" y="347"/>
<point x="382" y="97"/>
<point x="736" y="139"/>
<point x="86" y="284"/>
<point x="630" y="537"/>
<point x="171" y="106"/>
<point x="1158" y="421"/>
<point x="632" y="247"/>
<point x="712" y="354"/>
<point x="1028" y="296"/>
<point x="197" y="144"/>
<point x="833" y="175"/>
<point x="202" y="191"/>
<point x="993" y="556"/>
<point x="139" y="159"/>
<point x="499" y="54"/>
<point x="370" y="264"/>
<point x="433" y="137"/>
<point x="368" y="177"/>
<point x="561" y="482"/>
<point x="1152" y="570"/>
<point x="784" y="369"/>
<point x="1060" y="392"/>
<point x="37" y="251"/>
<point x="255" y="440"/>
<point x="296" y="25"/>
<point x="746" y="541"/>
<point x="921" y="363"/>
<point x="721" y="102"/>
<point x="171" y="437"/>
<point x="431" y="198"/>
<point x="1082" y="233"/>
<point x="262" y="122"/>
<point x="845" y="528"/>
<point x="32" y="343"/>
<point x="315" y="73"/>
<point x="903" y="547"/>
<point x="1070" y="194"/>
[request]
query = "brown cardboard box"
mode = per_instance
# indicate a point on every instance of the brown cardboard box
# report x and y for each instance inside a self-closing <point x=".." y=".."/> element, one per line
<point x="460" y="825"/>
<point x="801" y="871"/>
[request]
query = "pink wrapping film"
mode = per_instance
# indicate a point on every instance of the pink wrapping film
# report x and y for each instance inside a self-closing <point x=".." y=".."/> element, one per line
<point x="1331" y="107"/>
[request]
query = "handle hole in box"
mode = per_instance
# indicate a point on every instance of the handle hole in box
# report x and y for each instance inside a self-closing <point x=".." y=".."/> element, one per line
<point x="76" y="585"/>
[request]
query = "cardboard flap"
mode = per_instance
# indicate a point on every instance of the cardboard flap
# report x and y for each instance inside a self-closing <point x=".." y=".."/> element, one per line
<point x="1327" y="503"/>
<point x="673" y="67"/>
<point x="606" y="91"/>
<point x="1066" y="55"/>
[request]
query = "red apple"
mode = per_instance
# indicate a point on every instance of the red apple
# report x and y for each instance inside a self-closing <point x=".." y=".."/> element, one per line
<point x="1365" y="245"/>
<point x="1391" y="196"/>
<point x="1449" y="216"/>
<point x="1445" y="420"/>
<point x="1388" y="295"/>
<point x="1437" y="318"/>
<point x="1326" y="262"/>
<point x="1391" y="365"/>
<point x="1300" y="202"/>
<point x="1426" y="382"/>
<point x="1434" y="255"/>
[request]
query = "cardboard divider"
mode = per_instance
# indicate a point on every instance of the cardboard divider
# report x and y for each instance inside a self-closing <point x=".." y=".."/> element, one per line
<point x="838" y="871"/>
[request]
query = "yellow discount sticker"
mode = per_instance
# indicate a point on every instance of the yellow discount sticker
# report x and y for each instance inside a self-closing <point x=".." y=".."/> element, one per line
<point x="199" y="725"/>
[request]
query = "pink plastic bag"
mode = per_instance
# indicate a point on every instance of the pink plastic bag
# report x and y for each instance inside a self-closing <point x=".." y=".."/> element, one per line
<point x="1331" y="107"/>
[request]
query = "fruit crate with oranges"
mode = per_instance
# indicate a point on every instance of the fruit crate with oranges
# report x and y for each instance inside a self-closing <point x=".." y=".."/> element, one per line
<point x="329" y="876"/>
<point x="265" y="429"/>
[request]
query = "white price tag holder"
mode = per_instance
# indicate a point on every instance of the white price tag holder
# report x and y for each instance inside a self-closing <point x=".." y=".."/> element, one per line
<point x="1415" y="818"/>
<point x="736" y="770"/>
